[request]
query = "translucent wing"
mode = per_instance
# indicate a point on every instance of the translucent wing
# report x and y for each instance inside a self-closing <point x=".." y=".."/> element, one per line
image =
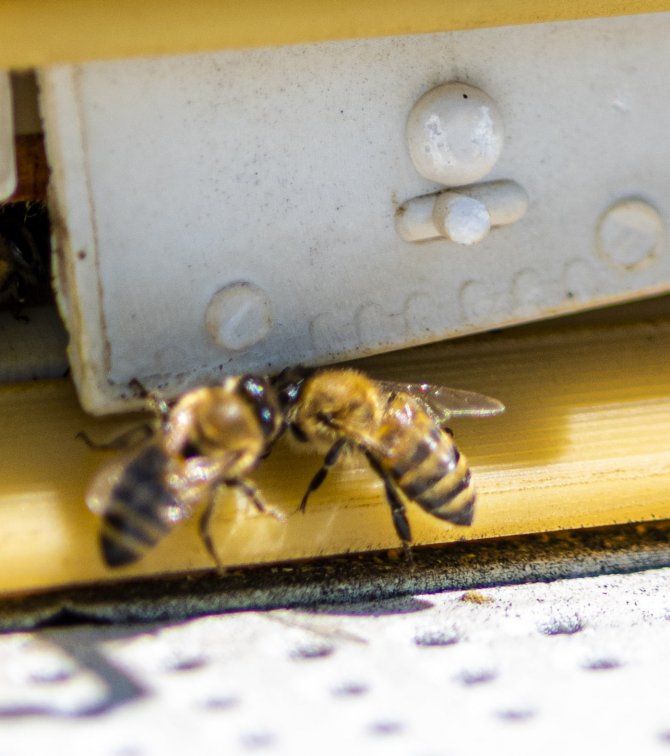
<point x="100" y="488"/>
<point x="442" y="402"/>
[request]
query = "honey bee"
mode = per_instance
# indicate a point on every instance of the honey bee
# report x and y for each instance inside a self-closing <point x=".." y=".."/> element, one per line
<point x="399" y="428"/>
<point x="211" y="437"/>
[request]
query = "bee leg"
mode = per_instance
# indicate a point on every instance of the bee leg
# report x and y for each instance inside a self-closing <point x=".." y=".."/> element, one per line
<point x="155" y="402"/>
<point x="400" y="521"/>
<point x="126" y="440"/>
<point x="251" y="492"/>
<point x="329" y="460"/>
<point x="205" y="535"/>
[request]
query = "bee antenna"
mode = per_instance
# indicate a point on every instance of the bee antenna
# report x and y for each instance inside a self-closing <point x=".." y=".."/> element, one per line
<point x="288" y="383"/>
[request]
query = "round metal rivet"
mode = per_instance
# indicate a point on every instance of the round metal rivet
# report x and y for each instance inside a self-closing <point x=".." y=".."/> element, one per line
<point x="630" y="234"/>
<point x="238" y="316"/>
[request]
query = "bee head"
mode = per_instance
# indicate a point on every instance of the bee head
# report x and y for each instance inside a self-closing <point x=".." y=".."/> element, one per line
<point x="332" y="403"/>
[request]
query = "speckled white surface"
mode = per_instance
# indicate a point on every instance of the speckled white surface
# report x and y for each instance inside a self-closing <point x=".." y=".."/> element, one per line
<point x="575" y="666"/>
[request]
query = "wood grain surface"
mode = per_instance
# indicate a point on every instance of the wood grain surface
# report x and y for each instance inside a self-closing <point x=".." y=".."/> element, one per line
<point x="584" y="442"/>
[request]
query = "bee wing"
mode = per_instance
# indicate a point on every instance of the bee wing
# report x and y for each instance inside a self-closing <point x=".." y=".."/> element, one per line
<point x="100" y="488"/>
<point x="143" y="471"/>
<point x="442" y="402"/>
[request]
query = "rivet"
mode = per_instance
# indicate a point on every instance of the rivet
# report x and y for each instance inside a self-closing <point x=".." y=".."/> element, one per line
<point x="463" y="215"/>
<point x="462" y="219"/>
<point x="238" y="316"/>
<point x="455" y="134"/>
<point x="630" y="234"/>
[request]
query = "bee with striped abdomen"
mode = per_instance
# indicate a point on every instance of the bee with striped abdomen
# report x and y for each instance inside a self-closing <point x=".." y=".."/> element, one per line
<point x="399" y="428"/>
<point x="211" y="437"/>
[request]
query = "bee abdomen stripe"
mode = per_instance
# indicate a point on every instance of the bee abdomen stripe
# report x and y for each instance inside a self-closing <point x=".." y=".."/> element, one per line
<point x="403" y="466"/>
<point x="443" y="462"/>
<point x="126" y="536"/>
<point x="141" y="504"/>
<point x="462" y="514"/>
<point x="454" y="504"/>
<point x="132" y="530"/>
<point x="139" y="498"/>
<point x="115" y="552"/>
<point x="441" y="496"/>
<point x="416" y="488"/>
<point x="122" y="541"/>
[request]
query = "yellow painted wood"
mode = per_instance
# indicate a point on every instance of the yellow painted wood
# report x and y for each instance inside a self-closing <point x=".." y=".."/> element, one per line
<point x="37" y="33"/>
<point x="584" y="442"/>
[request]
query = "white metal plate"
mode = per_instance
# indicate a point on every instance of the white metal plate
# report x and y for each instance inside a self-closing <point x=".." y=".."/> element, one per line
<point x="234" y="211"/>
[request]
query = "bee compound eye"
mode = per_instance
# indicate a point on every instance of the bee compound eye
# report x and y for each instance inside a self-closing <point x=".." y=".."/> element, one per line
<point x="253" y="385"/>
